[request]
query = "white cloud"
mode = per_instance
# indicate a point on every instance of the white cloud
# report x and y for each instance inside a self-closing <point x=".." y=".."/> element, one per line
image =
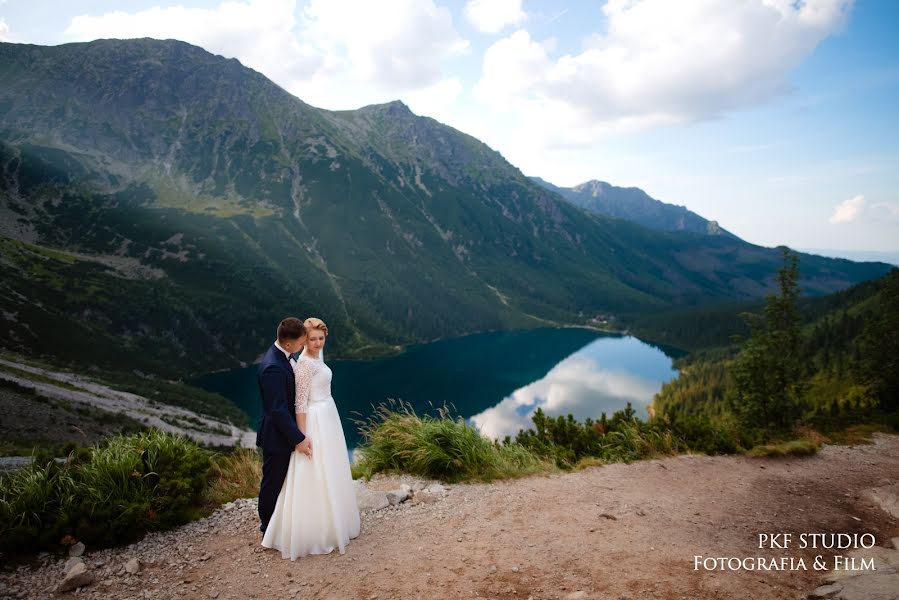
<point x="577" y="385"/>
<point x="260" y="33"/>
<point x="393" y="43"/>
<point x="437" y="100"/>
<point x="4" y="31"/>
<point x="378" y="50"/>
<point x="657" y="62"/>
<point x="492" y="16"/>
<point x="848" y="210"/>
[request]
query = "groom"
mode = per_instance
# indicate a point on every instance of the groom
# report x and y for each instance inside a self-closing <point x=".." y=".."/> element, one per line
<point x="278" y="434"/>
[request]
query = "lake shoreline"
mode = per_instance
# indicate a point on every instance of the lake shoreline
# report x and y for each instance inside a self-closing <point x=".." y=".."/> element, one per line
<point x="477" y="373"/>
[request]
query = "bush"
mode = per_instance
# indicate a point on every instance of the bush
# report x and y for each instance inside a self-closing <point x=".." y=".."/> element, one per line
<point x="700" y="434"/>
<point x="34" y="505"/>
<point x="438" y="448"/>
<point x="111" y="493"/>
<point x="624" y="437"/>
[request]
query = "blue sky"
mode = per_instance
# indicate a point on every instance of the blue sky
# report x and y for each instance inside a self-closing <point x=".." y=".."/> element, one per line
<point x="776" y="118"/>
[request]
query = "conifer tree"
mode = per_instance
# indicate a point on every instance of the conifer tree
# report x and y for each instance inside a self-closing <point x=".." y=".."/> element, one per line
<point x="768" y="370"/>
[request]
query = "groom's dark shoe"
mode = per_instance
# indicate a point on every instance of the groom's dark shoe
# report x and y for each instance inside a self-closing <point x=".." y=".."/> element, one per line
<point x="262" y="528"/>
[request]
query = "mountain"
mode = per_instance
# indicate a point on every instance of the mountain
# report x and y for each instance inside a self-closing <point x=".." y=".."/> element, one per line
<point x="635" y="205"/>
<point x="162" y="208"/>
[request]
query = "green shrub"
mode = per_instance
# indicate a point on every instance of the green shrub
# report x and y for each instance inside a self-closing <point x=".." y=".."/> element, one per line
<point x="624" y="437"/>
<point x="701" y="434"/>
<point x="109" y="494"/>
<point x="35" y="502"/>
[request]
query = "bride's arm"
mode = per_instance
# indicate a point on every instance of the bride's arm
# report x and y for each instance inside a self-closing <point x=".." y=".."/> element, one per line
<point x="302" y="372"/>
<point x="301" y="422"/>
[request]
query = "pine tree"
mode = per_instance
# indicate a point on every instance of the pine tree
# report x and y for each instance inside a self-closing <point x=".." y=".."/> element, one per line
<point x="768" y="370"/>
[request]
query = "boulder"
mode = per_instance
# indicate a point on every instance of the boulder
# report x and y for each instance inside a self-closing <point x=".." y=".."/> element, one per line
<point x="77" y="577"/>
<point x="71" y="563"/>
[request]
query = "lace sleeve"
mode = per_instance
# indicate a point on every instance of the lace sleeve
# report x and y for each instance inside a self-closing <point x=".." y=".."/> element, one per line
<point x="303" y="372"/>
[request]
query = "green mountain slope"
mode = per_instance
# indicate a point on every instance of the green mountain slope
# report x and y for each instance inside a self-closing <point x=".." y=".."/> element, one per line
<point x="156" y="197"/>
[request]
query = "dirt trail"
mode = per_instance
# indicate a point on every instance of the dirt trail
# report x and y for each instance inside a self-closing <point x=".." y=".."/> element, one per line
<point x="612" y="532"/>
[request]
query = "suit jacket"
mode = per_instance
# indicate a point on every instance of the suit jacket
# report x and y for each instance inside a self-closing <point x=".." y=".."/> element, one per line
<point x="278" y="431"/>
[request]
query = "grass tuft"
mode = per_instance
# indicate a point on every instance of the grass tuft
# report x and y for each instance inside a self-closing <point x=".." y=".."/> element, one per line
<point x="234" y="475"/>
<point x="794" y="448"/>
<point x="441" y="447"/>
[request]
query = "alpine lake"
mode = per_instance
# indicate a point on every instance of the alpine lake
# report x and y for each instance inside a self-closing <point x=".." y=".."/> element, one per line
<point x="495" y="381"/>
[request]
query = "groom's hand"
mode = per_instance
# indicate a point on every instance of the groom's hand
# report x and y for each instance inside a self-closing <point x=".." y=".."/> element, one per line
<point x="305" y="447"/>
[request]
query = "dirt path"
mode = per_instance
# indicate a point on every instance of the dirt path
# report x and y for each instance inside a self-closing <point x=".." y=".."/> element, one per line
<point x="613" y="532"/>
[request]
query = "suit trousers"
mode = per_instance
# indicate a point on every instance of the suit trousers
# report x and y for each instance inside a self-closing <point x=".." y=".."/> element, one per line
<point x="274" y="470"/>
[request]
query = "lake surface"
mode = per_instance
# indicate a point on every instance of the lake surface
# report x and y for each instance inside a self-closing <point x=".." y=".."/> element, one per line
<point x="494" y="380"/>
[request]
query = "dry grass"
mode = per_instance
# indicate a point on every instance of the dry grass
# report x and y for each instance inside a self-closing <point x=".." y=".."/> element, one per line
<point x="234" y="475"/>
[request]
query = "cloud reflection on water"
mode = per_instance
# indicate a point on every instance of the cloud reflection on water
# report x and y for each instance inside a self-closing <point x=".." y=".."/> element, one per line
<point x="601" y="377"/>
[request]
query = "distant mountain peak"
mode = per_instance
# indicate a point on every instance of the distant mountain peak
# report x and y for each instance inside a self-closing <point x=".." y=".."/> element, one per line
<point x="394" y="108"/>
<point x="633" y="204"/>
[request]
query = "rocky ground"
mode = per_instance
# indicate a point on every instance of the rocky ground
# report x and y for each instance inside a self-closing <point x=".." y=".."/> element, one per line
<point x="612" y="532"/>
<point x="57" y="395"/>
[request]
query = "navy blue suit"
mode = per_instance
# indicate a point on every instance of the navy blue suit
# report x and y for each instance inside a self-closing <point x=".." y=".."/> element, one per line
<point x="278" y="433"/>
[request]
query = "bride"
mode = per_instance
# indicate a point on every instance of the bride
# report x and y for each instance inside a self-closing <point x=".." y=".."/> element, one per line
<point x="316" y="510"/>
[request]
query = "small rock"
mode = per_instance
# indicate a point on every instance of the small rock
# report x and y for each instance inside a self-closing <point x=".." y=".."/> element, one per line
<point x="424" y="496"/>
<point x="75" y="560"/>
<point x="516" y="569"/>
<point x="397" y="496"/>
<point x="370" y="501"/>
<point x="214" y="594"/>
<point x="579" y="595"/>
<point x="491" y="569"/>
<point x="79" y="576"/>
<point x="608" y="516"/>
<point x="132" y="567"/>
<point x="436" y="488"/>
<point x="826" y="591"/>
<point x="76" y="550"/>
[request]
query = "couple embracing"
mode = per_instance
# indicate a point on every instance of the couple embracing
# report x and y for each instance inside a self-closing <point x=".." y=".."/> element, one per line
<point x="307" y="502"/>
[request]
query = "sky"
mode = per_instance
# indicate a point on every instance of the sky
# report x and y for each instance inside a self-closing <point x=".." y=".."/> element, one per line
<point x="776" y="118"/>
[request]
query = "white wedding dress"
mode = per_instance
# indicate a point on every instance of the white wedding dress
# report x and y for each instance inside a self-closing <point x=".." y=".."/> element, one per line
<point x="316" y="510"/>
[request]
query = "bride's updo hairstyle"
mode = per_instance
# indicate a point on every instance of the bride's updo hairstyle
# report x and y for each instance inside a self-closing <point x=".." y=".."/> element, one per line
<point x="315" y="323"/>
